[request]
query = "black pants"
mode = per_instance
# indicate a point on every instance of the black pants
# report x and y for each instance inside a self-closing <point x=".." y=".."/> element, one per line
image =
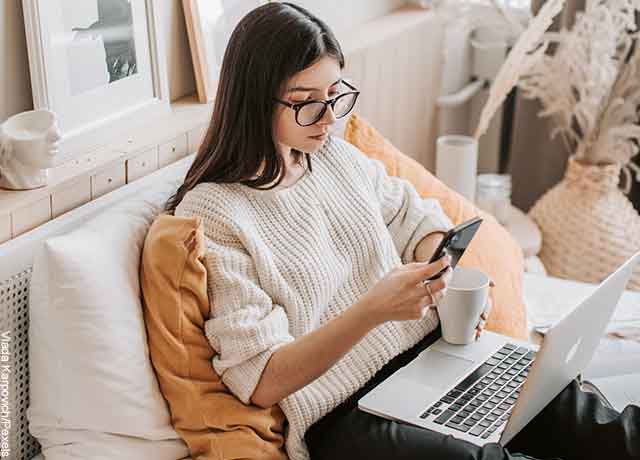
<point x="575" y="425"/>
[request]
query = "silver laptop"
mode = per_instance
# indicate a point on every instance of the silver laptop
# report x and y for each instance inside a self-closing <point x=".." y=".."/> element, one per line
<point x="489" y="390"/>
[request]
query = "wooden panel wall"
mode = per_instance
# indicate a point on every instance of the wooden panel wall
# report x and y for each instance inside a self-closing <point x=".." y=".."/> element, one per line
<point x="397" y="66"/>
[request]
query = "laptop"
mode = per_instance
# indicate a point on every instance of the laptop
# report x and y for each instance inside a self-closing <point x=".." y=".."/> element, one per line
<point x="489" y="390"/>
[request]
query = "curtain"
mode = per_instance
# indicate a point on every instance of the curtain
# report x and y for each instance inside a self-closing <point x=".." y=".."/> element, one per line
<point x="536" y="163"/>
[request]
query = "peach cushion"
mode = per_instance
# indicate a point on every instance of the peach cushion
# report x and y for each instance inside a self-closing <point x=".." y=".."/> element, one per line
<point x="493" y="250"/>
<point x="212" y="421"/>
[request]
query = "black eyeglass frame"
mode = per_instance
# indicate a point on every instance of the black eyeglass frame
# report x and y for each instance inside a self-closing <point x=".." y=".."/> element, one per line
<point x="329" y="102"/>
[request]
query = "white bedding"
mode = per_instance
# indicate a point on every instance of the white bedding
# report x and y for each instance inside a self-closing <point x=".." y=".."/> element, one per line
<point x="548" y="299"/>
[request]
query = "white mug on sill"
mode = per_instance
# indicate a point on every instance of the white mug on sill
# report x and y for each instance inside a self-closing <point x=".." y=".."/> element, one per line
<point x="457" y="163"/>
<point x="28" y="145"/>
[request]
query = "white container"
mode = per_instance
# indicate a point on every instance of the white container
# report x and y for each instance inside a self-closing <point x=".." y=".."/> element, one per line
<point x="457" y="163"/>
<point x="461" y="307"/>
<point x="489" y="43"/>
<point x="493" y="194"/>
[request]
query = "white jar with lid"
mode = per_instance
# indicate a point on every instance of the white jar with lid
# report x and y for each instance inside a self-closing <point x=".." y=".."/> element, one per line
<point x="493" y="194"/>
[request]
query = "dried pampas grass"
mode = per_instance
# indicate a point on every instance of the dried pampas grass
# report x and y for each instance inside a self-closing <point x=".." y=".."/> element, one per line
<point x="590" y="86"/>
<point x="616" y="137"/>
<point x="524" y="54"/>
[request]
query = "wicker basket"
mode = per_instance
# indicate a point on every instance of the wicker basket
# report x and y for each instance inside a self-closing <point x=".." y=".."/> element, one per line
<point x="589" y="227"/>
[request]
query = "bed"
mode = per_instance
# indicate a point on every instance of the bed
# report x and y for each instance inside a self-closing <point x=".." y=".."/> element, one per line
<point x="546" y="298"/>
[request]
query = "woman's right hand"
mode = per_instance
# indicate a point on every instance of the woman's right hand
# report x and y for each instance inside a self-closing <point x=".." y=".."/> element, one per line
<point x="401" y="295"/>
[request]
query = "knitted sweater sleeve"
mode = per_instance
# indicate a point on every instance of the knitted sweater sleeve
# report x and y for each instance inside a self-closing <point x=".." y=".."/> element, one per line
<point x="408" y="216"/>
<point x="245" y="327"/>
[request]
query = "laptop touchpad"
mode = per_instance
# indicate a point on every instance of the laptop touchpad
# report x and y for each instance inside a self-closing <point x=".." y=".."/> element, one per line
<point x="436" y="369"/>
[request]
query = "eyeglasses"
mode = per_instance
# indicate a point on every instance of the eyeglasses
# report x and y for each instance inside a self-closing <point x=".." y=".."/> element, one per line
<point x="310" y="112"/>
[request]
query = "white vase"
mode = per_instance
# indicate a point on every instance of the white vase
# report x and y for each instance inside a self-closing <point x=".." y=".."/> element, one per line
<point x="457" y="163"/>
<point x="589" y="227"/>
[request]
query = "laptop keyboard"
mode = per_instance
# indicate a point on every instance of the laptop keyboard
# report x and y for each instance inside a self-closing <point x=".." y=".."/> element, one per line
<point x="482" y="402"/>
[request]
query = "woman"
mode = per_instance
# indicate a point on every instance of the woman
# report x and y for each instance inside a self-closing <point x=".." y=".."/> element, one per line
<point x="315" y="267"/>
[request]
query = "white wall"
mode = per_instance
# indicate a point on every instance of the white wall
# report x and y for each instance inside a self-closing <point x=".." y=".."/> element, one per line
<point x="342" y="14"/>
<point x="15" y="88"/>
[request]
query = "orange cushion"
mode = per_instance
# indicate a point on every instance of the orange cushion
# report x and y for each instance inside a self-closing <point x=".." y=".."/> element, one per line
<point x="493" y="250"/>
<point x="212" y="421"/>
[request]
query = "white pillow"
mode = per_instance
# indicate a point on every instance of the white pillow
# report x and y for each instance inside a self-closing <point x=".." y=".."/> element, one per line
<point x="93" y="391"/>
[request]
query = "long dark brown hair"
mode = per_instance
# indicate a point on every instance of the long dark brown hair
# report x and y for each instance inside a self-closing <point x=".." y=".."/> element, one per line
<point x="268" y="46"/>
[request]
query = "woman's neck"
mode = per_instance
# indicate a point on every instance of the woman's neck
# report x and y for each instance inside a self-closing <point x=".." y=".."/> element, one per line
<point x="288" y="156"/>
<point x="294" y="170"/>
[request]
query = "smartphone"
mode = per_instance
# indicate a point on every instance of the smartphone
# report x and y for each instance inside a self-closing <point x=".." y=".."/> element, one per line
<point x="455" y="242"/>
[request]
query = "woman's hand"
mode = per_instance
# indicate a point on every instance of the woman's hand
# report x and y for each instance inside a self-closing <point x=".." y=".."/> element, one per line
<point x="484" y="316"/>
<point x="401" y="295"/>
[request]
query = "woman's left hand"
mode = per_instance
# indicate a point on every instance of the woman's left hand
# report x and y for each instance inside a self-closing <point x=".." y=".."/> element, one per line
<point x="484" y="316"/>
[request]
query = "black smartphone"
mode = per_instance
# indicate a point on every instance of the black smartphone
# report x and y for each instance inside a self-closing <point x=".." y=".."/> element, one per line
<point x="455" y="242"/>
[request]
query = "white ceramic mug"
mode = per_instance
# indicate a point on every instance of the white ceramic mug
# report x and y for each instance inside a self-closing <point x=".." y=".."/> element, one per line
<point x="457" y="163"/>
<point x="462" y="305"/>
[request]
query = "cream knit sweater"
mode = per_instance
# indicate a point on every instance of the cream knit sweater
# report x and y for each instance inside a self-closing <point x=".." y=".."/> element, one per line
<point x="282" y="263"/>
